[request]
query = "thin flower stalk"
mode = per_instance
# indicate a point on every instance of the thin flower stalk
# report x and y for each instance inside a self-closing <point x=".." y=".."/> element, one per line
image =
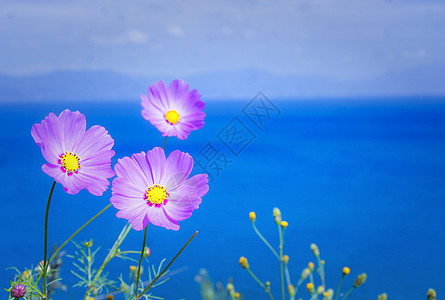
<point x="265" y="241"/>
<point x="140" y="260"/>
<point x="281" y="233"/>
<point x="286" y="272"/>
<point x="347" y="294"/>
<point x="111" y="254"/>
<point x="266" y="289"/>
<point x="313" y="294"/>
<point x="73" y="235"/>
<point x="339" y="286"/>
<point x="45" y="240"/>
<point x="321" y="271"/>
<point x="166" y="268"/>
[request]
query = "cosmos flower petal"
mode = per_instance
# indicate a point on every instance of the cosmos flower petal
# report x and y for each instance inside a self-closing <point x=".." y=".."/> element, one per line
<point x="158" y="217"/>
<point x="176" y="91"/>
<point x="130" y="169"/>
<point x="66" y="146"/>
<point x="47" y="137"/>
<point x="159" y="91"/>
<point x="94" y="140"/>
<point x="156" y="162"/>
<point x="177" y="213"/>
<point x="188" y="195"/>
<point x="176" y="99"/>
<point x="162" y="201"/>
<point x="73" y="126"/>
<point x="178" y="167"/>
<point x="137" y="215"/>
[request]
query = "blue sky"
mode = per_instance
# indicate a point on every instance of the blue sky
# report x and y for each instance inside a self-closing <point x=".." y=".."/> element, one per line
<point x="338" y="40"/>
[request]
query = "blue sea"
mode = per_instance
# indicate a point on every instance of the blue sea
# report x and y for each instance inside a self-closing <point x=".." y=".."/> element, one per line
<point x="364" y="179"/>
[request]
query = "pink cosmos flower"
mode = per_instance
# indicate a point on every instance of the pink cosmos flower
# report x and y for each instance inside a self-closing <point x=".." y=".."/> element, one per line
<point x="152" y="188"/>
<point x="77" y="159"/>
<point x="173" y="110"/>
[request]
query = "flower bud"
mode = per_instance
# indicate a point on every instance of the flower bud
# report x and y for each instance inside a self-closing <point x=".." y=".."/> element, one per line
<point x="310" y="287"/>
<point x="237" y="295"/>
<point x="230" y="288"/>
<point x="305" y="273"/>
<point x="315" y="250"/>
<point x="320" y="289"/>
<point x="383" y="296"/>
<point x="284" y="224"/>
<point x="431" y="295"/>
<point x="243" y="262"/>
<point x="133" y="268"/>
<point x="291" y="290"/>
<point x="39" y="268"/>
<point x="311" y="266"/>
<point x="328" y="294"/>
<point x="18" y="291"/>
<point x="268" y="283"/>
<point x="346" y="271"/>
<point x="277" y="215"/>
<point x="359" y="280"/>
<point x="110" y="297"/>
<point x="26" y="274"/>
<point x="90" y="298"/>
<point x="252" y="216"/>
<point x="88" y="244"/>
<point x="286" y="259"/>
<point x="147" y="252"/>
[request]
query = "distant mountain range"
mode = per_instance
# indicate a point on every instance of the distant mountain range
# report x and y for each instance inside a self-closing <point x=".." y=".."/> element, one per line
<point x="106" y="85"/>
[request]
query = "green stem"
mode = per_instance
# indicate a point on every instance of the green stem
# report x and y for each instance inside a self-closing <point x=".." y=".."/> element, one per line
<point x="321" y="268"/>
<point x="270" y="294"/>
<point x="140" y="260"/>
<point x="45" y="240"/>
<point x="265" y="241"/>
<point x="73" y="235"/>
<point x="298" y="285"/>
<point x="347" y="294"/>
<point x="311" y="278"/>
<point x="78" y="230"/>
<point x="256" y="279"/>
<point x="266" y="289"/>
<point x="286" y="272"/>
<point x="313" y="293"/>
<point x="89" y="266"/>
<point x="128" y="252"/>
<point x="338" y="289"/>
<point x="166" y="268"/>
<point x="165" y="141"/>
<point x="281" y="261"/>
<point x="110" y="255"/>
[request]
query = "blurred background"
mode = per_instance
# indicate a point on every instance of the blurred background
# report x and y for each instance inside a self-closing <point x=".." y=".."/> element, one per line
<point x="350" y="143"/>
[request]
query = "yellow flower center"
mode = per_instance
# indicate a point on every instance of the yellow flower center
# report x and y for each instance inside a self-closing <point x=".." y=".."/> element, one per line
<point x="172" y="116"/>
<point x="157" y="195"/>
<point x="70" y="162"/>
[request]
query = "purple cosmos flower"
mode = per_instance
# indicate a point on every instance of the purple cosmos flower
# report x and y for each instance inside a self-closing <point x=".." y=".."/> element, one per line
<point x="77" y="159"/>
<point x="173" y="110"/>
<point x="151" y="188"/>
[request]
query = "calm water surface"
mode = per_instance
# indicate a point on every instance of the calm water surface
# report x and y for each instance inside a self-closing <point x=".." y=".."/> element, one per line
<point x="365" y="181"/>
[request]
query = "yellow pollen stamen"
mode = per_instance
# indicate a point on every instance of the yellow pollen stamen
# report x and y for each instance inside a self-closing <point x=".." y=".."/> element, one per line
<point x="156" y="194"/>
<point x="172" y="116"/>
<point x="70" y="162"/>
